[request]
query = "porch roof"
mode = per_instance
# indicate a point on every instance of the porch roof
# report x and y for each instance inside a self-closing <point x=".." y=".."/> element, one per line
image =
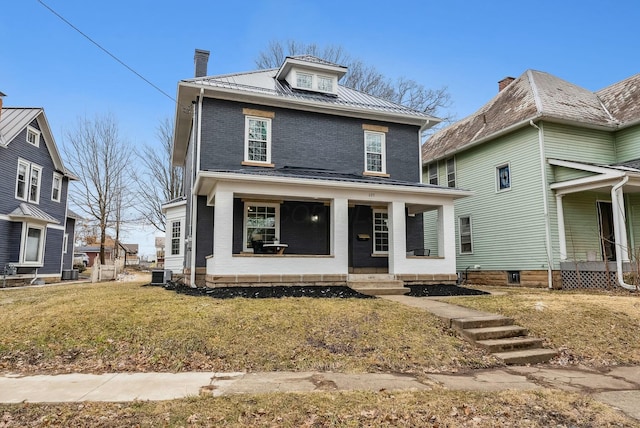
<point x="603" y="177"/>
<point x="31" y="213"/>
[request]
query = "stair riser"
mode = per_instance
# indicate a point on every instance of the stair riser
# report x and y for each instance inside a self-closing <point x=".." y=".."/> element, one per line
<point x="534" y="359"/>
<point x="462" y="324"/>
<point x="379" y="284"/>
<point x="515" y="346"/>
<point x="382" y="291"/>
<point x="488" y="335"/>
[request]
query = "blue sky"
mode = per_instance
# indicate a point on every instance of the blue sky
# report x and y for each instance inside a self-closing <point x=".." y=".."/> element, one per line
<point x="465" y="45"/>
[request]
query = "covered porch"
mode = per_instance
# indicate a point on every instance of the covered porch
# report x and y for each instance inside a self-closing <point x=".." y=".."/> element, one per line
<point x="598" y="220"/>
<point x="279" y="231"/>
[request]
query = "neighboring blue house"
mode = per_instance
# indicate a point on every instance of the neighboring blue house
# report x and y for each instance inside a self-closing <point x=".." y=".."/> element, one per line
<point x="36" y="227"/>
<point x="292" y="178"/>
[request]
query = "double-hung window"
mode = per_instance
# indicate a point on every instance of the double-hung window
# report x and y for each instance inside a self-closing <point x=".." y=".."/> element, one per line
<point x="465" y="237"/>
<point x="261" y="222"/>
<point x="451" y="172"/>
<point x="257" y="140"/>
<point x="175" y="237"/>
<point x="380" y="232"/>
<point x="374" y="151"/>
<point x="56" y="187"/>
<point x="432" y="172"/>
<point x="28" y="181"/>
<point x="32" y="244"/>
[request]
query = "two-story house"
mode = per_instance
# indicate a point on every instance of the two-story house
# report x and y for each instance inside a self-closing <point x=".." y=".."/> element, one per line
<point x="555" y="171"/>
<point x="36" y="227"/>
<point x="293" y="178"/>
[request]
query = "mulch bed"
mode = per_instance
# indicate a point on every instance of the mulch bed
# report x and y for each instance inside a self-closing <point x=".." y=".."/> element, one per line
<point x="332" y="292"/>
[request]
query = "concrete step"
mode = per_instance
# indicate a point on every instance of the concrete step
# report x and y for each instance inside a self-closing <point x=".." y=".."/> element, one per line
<point x="375" y="277"/>
<point x="528" y="356"/>
<point x="481" y="322"/>
<point x="382" y="291"/>
<point x="501" y="332"/>
<point x="510" y="344"/>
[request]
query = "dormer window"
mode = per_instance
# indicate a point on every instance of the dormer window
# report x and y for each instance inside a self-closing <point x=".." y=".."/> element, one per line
<point x="325" y="84"/>
<point x="304" y="80"/>
<point x="309" y="73"/>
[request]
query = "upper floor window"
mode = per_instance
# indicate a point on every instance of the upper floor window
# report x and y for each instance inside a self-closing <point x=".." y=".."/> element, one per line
<point x="257" y="140"/>
<point x="451" y="172"/>
<point x="325" y="84"/>
<point x="503" y="177"/>
<point x="33" y="136"/>
<point x="465" y="235"/>
<point x="304" y="80"/>
<point x="28" y="181"/>
<point x="374" y="151"/>
<point x="175" y="237"/>
<point x="432" y="173"/>
<point x="380" y="232"/>
<point x="56" y="187"/>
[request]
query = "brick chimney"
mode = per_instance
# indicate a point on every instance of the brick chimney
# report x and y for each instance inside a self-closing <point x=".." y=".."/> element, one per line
<point x="201" y="58"/>
<point x="505" y="82"/>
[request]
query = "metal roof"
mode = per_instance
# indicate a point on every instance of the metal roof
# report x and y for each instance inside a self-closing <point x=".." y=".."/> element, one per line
<point x="31" y="212"/>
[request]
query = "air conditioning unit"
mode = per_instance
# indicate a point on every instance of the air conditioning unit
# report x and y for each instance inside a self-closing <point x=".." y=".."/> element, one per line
<point x="160" y="277"/>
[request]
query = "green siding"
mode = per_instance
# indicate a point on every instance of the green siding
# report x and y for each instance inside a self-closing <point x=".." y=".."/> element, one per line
<point x="559" y="174"/>
<point x="430" y="219"/>
<point x="578" y="144"/>
<point x="628" y="144"/>
<point x="582" y="230"/>
<point x="508" y="227"/>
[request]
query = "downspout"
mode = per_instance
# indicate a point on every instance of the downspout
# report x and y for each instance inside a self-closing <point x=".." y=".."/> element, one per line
<point x="194" y="196"/>
<point x="616" y="234"/>
<point x="545" y="205"/>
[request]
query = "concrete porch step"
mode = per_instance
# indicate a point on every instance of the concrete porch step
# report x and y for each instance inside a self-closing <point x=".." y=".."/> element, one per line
<point x="510" y="344"/>
<point x="528" y="356"/>
<point x="481" y="322"/>
<point x="500" y="332"/>
<point x="375" y="277"/>
<point x="379" y="288"/>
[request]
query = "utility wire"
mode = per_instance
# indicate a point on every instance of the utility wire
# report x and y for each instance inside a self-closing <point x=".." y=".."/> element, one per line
<point x="107" y="52"/>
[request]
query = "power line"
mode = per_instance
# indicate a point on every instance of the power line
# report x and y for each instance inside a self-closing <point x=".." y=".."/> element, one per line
<point x="107" y="52"/>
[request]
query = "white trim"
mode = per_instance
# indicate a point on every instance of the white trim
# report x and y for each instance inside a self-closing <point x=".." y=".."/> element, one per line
<point x="53" y="226"/>
<point x="23" y="244"/>
<point x="258" y="203"/>
<point x="247" y="121"/>
<point x="65" y="243"/>
<point x="460" y="234"/>
<point x="435" y="164"/>
<point x="498" y="179"/>
<point x="38" y="185"/>
<point x="375" y="211"/>
<point x="383" y="152"/>
<point x="36" y="134"/>
<point x="53" y="186"/>
<point x="584" y="167"/>
<point x="179" y="237"/>
<point x="455" y="172"/>
<point x="28" y="176"/>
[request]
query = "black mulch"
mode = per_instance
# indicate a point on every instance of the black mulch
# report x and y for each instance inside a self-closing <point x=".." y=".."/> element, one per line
<point x="333" y="292"/>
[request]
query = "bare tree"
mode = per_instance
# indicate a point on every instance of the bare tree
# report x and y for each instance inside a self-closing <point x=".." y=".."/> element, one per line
<point x="159" y="181"/>
<point x="100" y="157"/>
<point x="364" y="78"/>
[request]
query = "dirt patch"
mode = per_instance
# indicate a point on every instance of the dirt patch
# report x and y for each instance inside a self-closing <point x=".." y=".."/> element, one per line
<point x="442" y="290"/>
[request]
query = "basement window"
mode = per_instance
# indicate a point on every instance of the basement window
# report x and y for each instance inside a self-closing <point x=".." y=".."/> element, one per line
<point x="513" y="277"/>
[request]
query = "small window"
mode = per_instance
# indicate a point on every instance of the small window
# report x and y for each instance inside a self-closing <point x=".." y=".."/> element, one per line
<point x="380" y="232"/>
<point x="464" y="235"/>
<point x="261" y="223"/>
<point x="33" y="136"/>
<point x="451" y="172"/>
<point x="432" y="171"/>
<point x="503" y="177"/>
<point x="56" y="187"/>
<point x="32" y="244"/>
<point x="258" y="140"/>
<point x="304" y="80"/>
<point x="175" y="238"/>
<point x="374" y="151"/>
<point x="65" y="242"/>
<point x="513" y="277"/>
<point x="325" y="84"/>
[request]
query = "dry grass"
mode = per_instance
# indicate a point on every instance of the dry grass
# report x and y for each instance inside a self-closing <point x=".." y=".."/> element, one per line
<point x="127" y="327"/>
<point x="347" y="409"/>
<point x="588" y="327"/>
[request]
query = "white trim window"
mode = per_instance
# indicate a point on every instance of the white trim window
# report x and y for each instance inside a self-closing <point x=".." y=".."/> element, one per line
<point x="33" y="136"/>
<point x="28" y="181"/>
<point x="451" y="172"/>
<point x="65" y="242"/>
<point x="261" y="222"/>
<point x="465" y="235"/>
<point x="432" y="173"/>
<point x="374" y="152"/>
<point x="257" y="146"/>
<point x="503" y="177"/>
<point x="176" y="234"/>
<point x="304" y="80"/>
<point x="32" y="244"/>
<point x="56" y="187"/>
<point x="380" y="231"/>
<point x="325" y="84"/>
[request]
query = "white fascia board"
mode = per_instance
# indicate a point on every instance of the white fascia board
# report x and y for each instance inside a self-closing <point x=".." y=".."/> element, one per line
<point x="585" y="183"/>
<point x="585" y="167"/>
<point x="173" y="205"/>
<point x="397" y="189"/>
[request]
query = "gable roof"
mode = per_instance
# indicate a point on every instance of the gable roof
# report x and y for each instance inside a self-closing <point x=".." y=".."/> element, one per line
<point x="533" y="96"/>
<point x="263" y="87"/>
<point x="13" y="120"/>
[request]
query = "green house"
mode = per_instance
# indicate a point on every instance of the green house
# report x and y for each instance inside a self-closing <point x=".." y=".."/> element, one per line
<point x="555" y="174"/>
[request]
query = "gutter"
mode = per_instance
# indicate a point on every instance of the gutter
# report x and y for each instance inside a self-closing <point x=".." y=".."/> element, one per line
<point x="194" y="197"/>
<point x="614" y="203"/>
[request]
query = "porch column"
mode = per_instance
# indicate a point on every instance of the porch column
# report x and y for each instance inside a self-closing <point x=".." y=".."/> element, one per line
<point x="619" y="223"/>
<point x="222" y="230"/>
<point x="397" y="236"/>
<point x="340" y="232"/>
<point x="561" y="232"/>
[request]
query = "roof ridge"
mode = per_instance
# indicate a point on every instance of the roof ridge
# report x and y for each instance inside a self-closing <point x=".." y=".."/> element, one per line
<point x="535" y="91"/>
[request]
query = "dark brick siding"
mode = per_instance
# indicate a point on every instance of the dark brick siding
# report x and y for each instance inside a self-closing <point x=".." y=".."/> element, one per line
<point x="204" y="232"/>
